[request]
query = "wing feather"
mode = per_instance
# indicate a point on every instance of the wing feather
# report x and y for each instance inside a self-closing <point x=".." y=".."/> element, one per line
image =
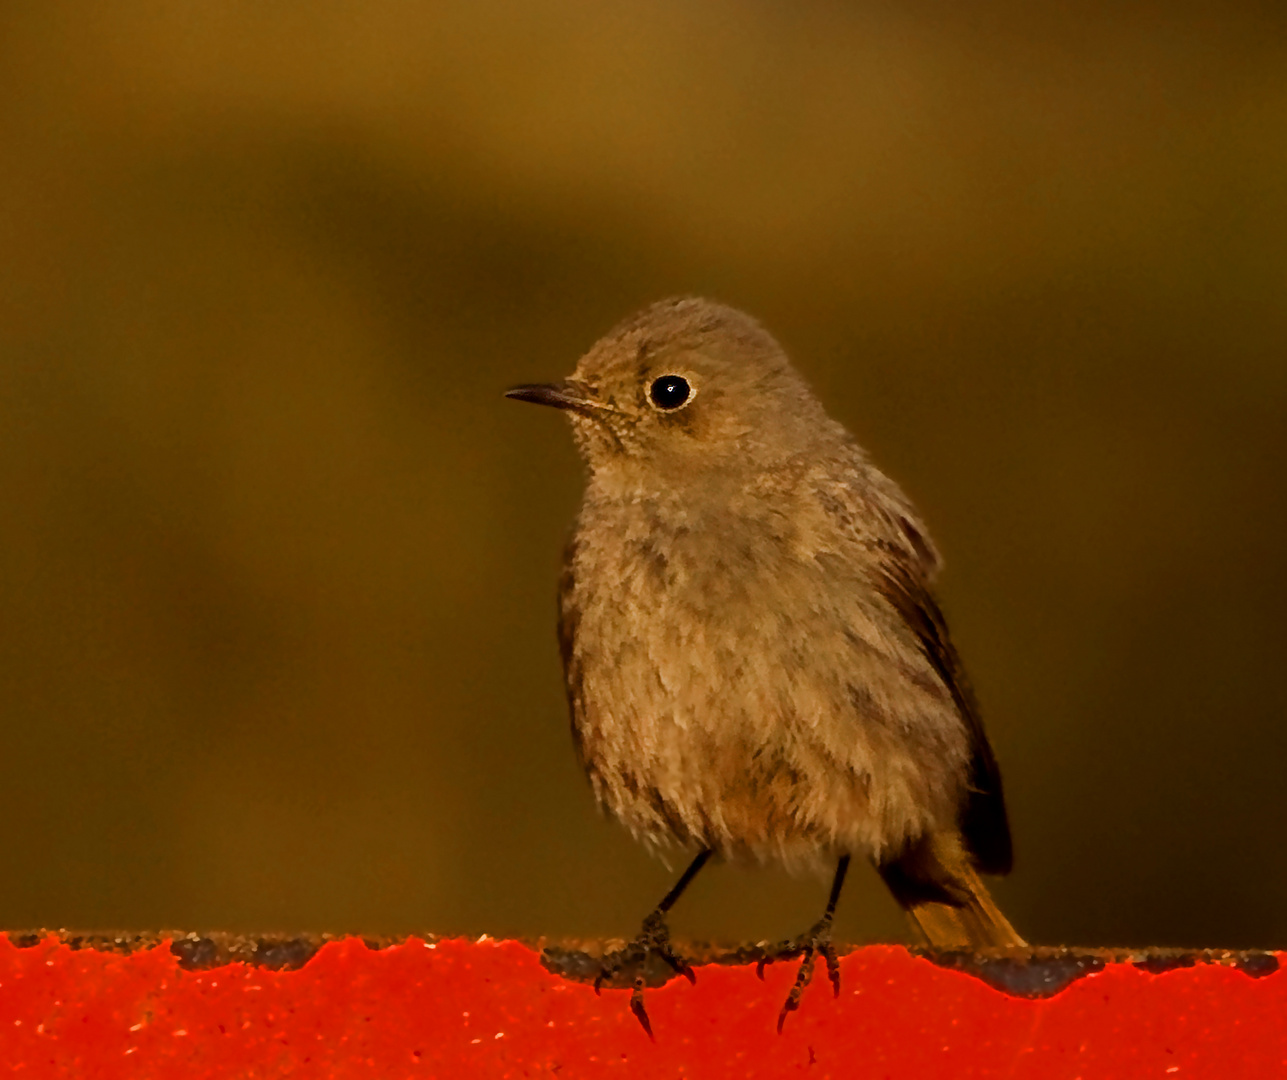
<point x="984" y="823"/>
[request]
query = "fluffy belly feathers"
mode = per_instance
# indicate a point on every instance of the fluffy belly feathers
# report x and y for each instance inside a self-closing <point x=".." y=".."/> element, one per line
<point x="717" y="719"/>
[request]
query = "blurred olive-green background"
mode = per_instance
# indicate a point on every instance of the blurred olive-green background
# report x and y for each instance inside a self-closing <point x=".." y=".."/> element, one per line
<point x="277" y="561"/>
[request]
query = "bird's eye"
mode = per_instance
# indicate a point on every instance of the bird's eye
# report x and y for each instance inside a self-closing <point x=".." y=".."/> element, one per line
<point x="669" y="392"/>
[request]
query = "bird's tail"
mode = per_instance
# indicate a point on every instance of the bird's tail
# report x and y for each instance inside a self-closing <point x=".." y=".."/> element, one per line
<point x="976" y="922"/>
<point x="945" y="899"/>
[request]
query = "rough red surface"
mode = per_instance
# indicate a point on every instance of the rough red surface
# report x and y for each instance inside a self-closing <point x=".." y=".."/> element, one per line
<point x="489" y="1009"/>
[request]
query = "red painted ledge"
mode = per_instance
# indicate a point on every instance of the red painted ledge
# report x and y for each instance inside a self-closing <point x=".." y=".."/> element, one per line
<point x="216" y="1007"/>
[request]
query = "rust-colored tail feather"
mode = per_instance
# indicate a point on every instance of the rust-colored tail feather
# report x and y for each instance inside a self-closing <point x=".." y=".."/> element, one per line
<point x="976" y="923"/>
<point x="938" y="886"/>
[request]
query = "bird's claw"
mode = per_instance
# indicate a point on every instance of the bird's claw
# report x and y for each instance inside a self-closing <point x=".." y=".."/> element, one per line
<point x="812" y="944"/>
<point x="653" y="940"/>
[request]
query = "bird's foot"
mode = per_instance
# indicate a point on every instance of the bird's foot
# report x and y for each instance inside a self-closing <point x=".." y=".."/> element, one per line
<point x="813" y="943"/>
<point x="618" y="967"/>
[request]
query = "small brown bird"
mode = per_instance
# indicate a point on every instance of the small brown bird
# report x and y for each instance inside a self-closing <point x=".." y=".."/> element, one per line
<point x="755" y="664"/>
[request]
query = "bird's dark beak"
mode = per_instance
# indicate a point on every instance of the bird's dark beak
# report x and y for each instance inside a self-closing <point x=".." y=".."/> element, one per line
<point x="559" y="395"/>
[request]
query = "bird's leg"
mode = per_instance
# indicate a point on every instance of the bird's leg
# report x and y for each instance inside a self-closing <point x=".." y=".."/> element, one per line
<point x="814" y="942"/>
<point x="653" y="940"/>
